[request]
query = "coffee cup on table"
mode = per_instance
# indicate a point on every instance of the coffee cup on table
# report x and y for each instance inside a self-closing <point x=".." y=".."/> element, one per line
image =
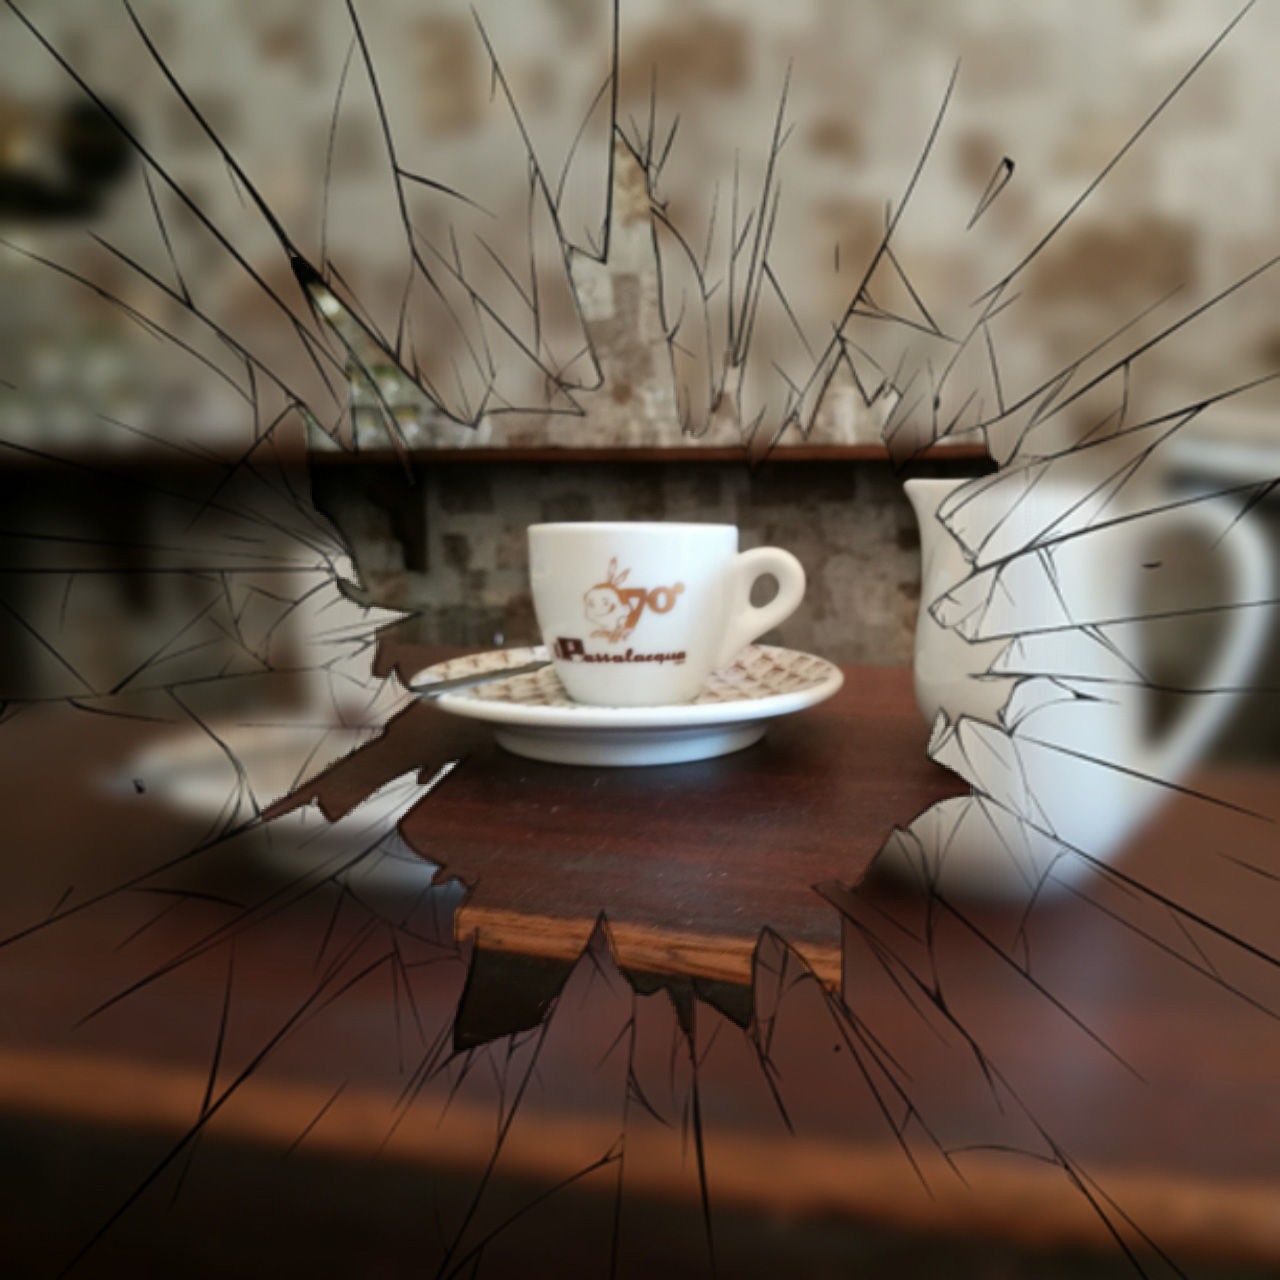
<point x="640" y="614"/>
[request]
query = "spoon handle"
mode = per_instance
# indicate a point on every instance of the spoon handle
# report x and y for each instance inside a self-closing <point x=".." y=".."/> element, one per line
<point x="436" y="688"/>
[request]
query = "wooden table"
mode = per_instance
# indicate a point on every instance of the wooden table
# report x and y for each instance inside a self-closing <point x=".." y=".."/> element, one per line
<point x="683" y="866"/>
<point x="1140" y="1038"/>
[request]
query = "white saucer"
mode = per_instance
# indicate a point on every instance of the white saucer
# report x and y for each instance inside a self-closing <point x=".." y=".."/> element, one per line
<point x="533" y="716"/>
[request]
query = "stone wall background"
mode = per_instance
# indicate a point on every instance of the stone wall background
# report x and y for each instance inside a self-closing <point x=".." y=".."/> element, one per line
<point x="848" y="524"/>
<point x="1057" y="86"/>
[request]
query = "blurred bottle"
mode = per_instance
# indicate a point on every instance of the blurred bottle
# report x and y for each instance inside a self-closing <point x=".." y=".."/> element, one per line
<point x="58" y="161"/>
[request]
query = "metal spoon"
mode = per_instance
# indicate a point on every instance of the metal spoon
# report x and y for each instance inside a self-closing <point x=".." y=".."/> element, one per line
<point x="435" y="689"/>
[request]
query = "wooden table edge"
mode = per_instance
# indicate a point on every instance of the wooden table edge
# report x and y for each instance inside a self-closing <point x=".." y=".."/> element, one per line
<point x="974" y="1195"/>
<point x="675" y="952"/>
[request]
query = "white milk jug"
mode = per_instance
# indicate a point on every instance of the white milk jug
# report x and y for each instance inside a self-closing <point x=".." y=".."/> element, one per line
<point x="1028" y="666"/>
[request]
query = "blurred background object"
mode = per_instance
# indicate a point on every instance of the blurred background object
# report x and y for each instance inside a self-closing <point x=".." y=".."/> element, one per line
<point x="59" y="161"/>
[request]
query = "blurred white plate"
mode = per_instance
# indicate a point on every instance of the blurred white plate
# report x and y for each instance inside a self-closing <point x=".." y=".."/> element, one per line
<point x="228" y="774"/>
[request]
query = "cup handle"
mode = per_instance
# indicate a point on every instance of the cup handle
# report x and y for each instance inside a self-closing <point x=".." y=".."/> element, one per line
<point x="1249" y="561"/>
<point x="745" y="621"/>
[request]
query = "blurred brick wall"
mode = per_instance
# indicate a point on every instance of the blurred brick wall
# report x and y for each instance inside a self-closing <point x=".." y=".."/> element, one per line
<point x="1058" y="87"/>
<point x="848" y="524"/>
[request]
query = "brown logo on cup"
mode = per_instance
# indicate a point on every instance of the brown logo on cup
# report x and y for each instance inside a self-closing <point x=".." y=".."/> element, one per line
<point x="614" y="609"/>
<point x="572" y="649"/>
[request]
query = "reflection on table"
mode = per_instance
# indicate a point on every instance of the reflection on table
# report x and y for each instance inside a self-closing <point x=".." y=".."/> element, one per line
<point x="920" y="1085"/>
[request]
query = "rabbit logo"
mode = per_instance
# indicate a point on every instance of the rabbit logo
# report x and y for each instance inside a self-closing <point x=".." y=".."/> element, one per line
<point x="614" y="609"/>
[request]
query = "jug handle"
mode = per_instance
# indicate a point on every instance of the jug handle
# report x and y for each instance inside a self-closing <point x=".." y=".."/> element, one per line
<point x="1249" y="559"/>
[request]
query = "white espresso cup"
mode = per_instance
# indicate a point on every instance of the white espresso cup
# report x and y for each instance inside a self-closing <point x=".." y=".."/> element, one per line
<point x="640" y="615"/>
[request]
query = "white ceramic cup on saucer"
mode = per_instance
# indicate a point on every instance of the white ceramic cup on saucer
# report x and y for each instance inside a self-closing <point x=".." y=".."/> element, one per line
<point x="640" y="615"/>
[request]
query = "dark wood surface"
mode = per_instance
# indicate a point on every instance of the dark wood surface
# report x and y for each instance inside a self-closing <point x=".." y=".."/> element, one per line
<point x="687" y="864"/>
<point x="1147" y="1046"/>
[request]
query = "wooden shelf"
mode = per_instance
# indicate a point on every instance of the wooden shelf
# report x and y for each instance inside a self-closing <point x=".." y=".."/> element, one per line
<point x="662" y="454"/>
<point x="143" y="460"/>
